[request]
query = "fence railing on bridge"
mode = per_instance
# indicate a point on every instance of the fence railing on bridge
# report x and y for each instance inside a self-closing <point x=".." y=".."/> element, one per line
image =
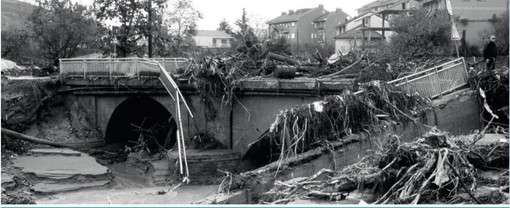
<point x="435" y="81"/>
<point x="118" y="67"/>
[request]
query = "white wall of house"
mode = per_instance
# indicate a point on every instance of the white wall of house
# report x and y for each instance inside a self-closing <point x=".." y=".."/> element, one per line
<point x="212" y="42"/>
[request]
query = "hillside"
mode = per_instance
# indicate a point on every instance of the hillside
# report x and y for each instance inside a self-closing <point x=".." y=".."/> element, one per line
<point x="14" y="13"/>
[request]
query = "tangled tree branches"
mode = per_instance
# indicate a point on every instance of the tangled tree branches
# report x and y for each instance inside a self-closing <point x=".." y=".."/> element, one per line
<point x="215" y="79"/>
<point x="376" y="65"/>
<point x="494" y="84"/>
<point x="433" y="168"/>
<point x="305" y="127"/>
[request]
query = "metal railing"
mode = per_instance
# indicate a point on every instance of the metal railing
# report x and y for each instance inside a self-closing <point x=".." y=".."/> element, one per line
<point x="118" y="67"/>
<point x="435" y="81"/>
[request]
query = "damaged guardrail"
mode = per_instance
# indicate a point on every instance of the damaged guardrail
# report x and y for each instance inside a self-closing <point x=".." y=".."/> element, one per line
<point x="435" y="81"/>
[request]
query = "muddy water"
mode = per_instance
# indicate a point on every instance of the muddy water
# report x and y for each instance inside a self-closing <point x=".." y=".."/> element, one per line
<point x="184" y="195"/>
<point x="60" y="166"/>
<point x="70" y="177"/>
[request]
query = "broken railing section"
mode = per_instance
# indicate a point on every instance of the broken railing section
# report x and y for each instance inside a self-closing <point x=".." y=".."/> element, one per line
<point x="174" y="92"/>
<point x="436" y="81"/>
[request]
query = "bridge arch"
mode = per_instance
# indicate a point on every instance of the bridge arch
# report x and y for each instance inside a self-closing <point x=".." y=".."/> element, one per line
<point x="141" y="115"/>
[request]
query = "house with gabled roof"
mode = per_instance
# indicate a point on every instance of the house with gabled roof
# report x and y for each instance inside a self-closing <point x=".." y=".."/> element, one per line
<point x="325" y="26"/>
<point x="350" y="34"/>
<point x="372" y="23"/>
<point x="296" y="25"/>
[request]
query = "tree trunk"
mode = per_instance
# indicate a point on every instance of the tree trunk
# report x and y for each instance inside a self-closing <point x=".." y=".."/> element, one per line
<point x="32" y="139"/>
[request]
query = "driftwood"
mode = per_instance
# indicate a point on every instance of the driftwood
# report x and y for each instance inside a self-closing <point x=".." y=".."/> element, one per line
<point x="288" y="60"/>
<point x="348" y="67"/>
<point x="32" y="139"/>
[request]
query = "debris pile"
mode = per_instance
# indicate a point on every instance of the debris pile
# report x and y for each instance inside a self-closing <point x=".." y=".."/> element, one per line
<point x="305" y="127"/>
<point x="493" y="88"/>
<point x="435" y="168"/>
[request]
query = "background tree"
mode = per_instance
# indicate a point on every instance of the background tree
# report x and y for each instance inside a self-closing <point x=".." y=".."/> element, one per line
<point x="60" y="28"/>
<point x="224" y="26"/>
<point x="133" y="18"/>
<point x="181" y="20"/>
<point x="245" y="39"/>
<point x="421" y="34"/>
<point x="14" y="43"/>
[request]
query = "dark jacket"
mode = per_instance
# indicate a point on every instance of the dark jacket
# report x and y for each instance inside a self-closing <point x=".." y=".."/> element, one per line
<point x="490" y="50"/>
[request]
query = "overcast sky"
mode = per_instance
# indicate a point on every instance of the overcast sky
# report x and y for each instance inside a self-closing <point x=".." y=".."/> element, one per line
<point x="214" y="11"/>
<point x="259" y="11"/>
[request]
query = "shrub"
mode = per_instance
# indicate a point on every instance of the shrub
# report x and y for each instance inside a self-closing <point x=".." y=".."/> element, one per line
<point x="421" y="34"/>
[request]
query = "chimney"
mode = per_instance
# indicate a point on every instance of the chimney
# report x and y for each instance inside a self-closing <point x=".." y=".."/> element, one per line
<point x="283" y="13"/>
<point x="291" y="11"/>
<point x="338" y="10"/>
<point x="321" y="6"/>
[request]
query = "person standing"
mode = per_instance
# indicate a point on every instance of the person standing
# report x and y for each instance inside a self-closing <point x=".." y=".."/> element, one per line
<point x="490" y="52"/>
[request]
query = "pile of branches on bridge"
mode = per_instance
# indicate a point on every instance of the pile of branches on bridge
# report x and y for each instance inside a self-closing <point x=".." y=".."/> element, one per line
<point x="434" y="168"/>
<point x="492" y="86"/>
<point x="370" y="65"/>
<point x="305" y="127"/>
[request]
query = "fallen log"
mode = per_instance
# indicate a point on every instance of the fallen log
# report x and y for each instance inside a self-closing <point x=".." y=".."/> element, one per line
<point x="288" y="60"/>
<point x="32" y="139"/>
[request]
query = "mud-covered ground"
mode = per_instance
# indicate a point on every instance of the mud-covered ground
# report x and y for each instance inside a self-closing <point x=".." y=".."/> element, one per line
<point x="33" y="107"/>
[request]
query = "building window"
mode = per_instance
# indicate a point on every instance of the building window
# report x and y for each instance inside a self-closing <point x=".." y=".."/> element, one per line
<point x="311" y="35"/>
<point x="223" y="41"/>
<point x="214" y="42"/>
<point x="293" y="24"/>
<point x="292" y="36"/>
<point x="403" y="5"/>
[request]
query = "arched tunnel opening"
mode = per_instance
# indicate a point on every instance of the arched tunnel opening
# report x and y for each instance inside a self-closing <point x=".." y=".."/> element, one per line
<point x="141" y="122"/>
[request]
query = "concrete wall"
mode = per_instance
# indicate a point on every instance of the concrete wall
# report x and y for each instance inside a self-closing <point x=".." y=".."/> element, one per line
<point x="249" y="123"/>
<point x="245" y="121"/>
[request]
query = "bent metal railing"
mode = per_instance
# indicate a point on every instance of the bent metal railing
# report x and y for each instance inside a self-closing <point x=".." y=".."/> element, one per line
<point x="436" y="81"/>
<point x="433" y="82"/>
<point x="118" y="67"/>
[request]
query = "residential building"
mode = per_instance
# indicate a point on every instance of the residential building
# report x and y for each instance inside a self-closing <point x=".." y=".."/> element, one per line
<point x="372" y="23"/>
<point x="350" y="34"/>
<point x="353" y="39"/>
<point x="380" y="5"/>
<point x="324" y="27"/>
<point x="474" y="16"/>
<point x="212" y="39"/>
<point x="297" y="26"/>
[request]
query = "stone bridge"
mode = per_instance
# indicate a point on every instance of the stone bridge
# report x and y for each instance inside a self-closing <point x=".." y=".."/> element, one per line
<point x="118" y="94"/>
